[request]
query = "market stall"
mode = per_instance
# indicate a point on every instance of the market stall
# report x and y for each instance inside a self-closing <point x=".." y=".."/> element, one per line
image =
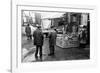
<point x="67" y="41"/>
<point x="70" y="37"/>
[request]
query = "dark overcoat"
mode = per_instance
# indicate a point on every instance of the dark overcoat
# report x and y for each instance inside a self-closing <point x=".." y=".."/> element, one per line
<point x="38" y="37"/>
<point x="28" y="30"/>
<point x="52" y="38"/>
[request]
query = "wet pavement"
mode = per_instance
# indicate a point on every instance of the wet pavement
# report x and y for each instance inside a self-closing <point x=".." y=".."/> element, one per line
<point x="28" y="51"/>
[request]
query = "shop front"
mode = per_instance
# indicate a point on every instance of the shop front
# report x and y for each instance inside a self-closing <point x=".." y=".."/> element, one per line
<point x="68" y="40"/>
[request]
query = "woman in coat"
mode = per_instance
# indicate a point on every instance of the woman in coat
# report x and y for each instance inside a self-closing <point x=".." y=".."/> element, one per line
<point x="28" y="32"/>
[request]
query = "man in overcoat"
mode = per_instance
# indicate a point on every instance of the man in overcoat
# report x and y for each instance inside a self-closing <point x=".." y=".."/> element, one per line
<point x="52" y="41"/>
<point x="38" y="41"/>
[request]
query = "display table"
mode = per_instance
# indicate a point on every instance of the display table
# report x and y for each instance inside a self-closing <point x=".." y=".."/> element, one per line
<point x="64" y="41"/>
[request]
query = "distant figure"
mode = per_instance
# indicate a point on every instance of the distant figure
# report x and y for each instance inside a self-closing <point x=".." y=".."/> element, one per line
<point x="38" y="41"/>
<point x="28" y="32"/>
<point x="52" y="41"/>
<point x="84" y="34"/>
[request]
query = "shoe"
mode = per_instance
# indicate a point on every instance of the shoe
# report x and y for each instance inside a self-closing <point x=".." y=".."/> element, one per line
<point x="36" y="56"/>
<point x="27" y="38"/>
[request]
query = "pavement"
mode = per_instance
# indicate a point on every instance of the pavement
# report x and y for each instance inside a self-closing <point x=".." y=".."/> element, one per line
<point x="61" y="54"/>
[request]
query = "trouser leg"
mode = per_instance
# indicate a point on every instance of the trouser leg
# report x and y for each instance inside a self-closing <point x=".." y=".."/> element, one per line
<point x="40" y="51"/>
<point x="36" y="51"/>
<point x="30" y="36"/>
<point x="50" y="47"/>
<point x="27" y="36"/>
<point x="53" y="49"/>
